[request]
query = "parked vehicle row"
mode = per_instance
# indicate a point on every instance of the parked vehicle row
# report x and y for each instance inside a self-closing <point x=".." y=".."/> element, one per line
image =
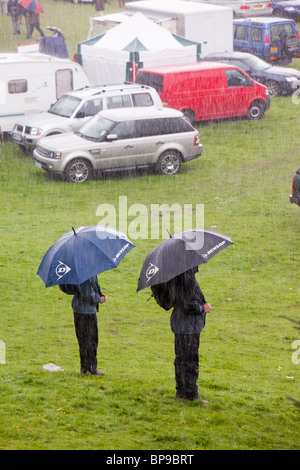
<point x="75" y="108"/>
<point x="143" y="133"/>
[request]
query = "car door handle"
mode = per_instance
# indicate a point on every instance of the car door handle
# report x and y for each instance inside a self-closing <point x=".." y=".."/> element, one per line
<point x="129" y="146"/>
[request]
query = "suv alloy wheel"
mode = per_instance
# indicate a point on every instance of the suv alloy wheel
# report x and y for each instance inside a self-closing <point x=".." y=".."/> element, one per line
<point x="78" y="171"/>
<point x="169" y="163"/>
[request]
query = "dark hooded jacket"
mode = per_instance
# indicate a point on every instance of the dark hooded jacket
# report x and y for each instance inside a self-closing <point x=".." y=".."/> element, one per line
<point x="188" y="315"/>
<point x="87" y="297"/>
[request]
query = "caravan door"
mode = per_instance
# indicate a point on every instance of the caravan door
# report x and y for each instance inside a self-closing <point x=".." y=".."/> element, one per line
<point x="63" y="82"/>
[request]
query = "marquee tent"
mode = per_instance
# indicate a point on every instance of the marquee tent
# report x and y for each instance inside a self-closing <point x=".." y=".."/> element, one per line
<point x="115" y="56"/>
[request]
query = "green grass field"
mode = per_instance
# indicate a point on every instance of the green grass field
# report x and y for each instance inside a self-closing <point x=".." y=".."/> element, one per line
<point x="249" y="359"/>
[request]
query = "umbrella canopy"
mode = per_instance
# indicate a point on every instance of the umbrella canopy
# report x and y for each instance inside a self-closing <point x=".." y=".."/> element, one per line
<point x="82" y="254"/>
<point x="180" y="253"/>
<point x="54" y="28"/>
<point x="32" y="5"/>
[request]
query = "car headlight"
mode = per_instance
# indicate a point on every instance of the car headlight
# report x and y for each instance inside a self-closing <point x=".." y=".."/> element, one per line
<point x="54" y="155"/>
<point x="35" y="131"/>
<point x="291" y="79"/>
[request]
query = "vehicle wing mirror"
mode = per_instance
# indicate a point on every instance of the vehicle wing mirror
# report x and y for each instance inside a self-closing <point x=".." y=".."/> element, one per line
<point x="111" y="137"/>
<point x="80" y="115"/>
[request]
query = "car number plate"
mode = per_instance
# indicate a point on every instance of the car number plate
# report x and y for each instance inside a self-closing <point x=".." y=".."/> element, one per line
<point x="258" y="6"/>
<point x="17" y="137"/>
<point x="274" y="49"/>
<point x="38" y="165"/>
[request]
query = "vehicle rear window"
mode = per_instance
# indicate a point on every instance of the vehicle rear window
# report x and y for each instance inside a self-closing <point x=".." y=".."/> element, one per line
<point x="150" y="127"/>
<point x="280" y="31"/>
<point x="151" y="79"/>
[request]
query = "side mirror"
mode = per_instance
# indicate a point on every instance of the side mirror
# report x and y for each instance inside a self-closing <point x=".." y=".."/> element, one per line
<point x="111" y="137"/>
<point x="80" y="115"/>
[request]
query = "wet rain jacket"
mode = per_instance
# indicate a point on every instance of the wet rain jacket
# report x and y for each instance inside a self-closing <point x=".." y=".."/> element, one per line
<point x="87" y="296"/>
<point x="188" y="315"/>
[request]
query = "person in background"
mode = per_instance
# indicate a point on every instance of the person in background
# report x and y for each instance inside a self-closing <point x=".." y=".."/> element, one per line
<point x="3" y="4"/>
<point x="100" y="6"/>
<point x="85" y="304"/>
<point x="13" y="9"/>
<point x="33" y="23"/>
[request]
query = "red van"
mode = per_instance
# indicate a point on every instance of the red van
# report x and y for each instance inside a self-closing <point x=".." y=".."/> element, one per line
<point x="206" y="90"/>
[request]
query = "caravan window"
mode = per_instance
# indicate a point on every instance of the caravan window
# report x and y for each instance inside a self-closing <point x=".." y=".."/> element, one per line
<point x="17" y="86"/>
<point x="63" y="81"/>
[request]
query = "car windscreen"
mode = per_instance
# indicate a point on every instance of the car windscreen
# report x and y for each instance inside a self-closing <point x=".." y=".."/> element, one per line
<point x="95" y="128"/>
<point x="65" y="106"/>
<point x="151" y="79"/>
<point x="256" y="63"/>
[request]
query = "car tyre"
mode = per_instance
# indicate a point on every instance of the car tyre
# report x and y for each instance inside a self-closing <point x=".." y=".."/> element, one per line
<point x="274" y="88"/>
<point x="189" y="115"/>
<point x="78" y="170"/>
<point x="169" y="163"/>
<point x="277" y="12"/>
<point x="255" y="111"/>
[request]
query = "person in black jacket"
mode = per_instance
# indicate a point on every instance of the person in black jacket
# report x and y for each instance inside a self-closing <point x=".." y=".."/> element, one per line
<point x="85" y="304"/>
<point x="187" y="321"/>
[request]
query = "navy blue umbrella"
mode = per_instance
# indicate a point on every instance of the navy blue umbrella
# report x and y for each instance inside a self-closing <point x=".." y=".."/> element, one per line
<point x="82" y="254"/>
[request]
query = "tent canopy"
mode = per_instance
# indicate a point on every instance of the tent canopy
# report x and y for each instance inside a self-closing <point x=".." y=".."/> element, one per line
<point x="105" y="58"/>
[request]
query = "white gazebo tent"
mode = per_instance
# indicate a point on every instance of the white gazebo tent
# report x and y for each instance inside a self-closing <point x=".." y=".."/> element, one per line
<point x="114" y="56"/>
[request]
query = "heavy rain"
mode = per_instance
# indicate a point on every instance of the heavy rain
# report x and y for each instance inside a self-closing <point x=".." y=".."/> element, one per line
<point x="163" y="126"/>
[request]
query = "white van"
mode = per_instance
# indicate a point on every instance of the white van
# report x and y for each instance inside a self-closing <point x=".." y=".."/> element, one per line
<point x="30" y="83"/>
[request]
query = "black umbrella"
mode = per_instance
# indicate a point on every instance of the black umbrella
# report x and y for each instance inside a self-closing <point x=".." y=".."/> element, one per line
<point x="180" y="253"/>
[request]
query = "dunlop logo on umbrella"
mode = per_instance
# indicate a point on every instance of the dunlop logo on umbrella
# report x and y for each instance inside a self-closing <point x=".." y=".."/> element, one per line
<point x="61" y="270"/>
<point x="213" y="249"/>
<point x="151" y="271"/>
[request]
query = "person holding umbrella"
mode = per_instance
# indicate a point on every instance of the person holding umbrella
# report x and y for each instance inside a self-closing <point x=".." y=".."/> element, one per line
<point x="85" y="305"/>
<point x="187" y="322"/>
<point x="169" y="269"/>
<point x="73" y="263"/>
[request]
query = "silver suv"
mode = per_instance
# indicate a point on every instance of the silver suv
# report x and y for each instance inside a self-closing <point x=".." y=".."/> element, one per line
<point x="75" y="108"/>
<point x="121" y="139"/>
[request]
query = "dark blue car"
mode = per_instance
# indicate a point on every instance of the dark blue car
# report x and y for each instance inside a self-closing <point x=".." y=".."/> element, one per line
<point x="287" y="9"/>
<point x="272" y="39"/>
<point x="278" y="80"/>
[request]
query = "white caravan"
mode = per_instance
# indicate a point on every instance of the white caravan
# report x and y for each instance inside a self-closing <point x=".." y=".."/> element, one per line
<point x="30" y="83"/>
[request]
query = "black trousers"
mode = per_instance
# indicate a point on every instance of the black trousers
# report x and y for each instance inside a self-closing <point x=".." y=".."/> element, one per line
<point x="86" y="327"/>
<point x="187" y="365"/>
